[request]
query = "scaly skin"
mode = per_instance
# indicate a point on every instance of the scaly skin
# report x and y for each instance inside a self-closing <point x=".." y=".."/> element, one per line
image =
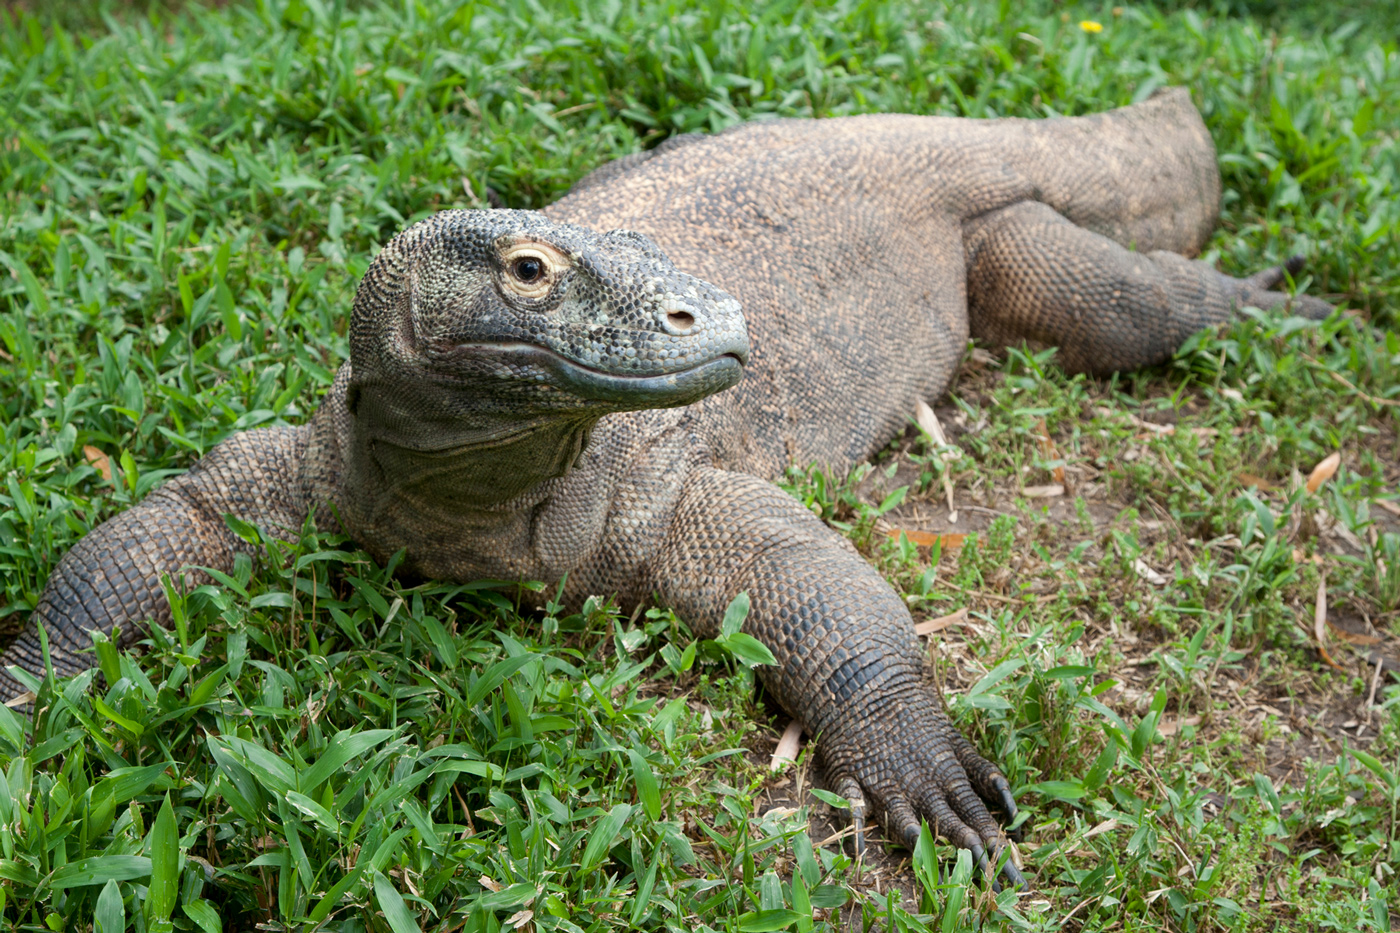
<point x="530" y="398"/>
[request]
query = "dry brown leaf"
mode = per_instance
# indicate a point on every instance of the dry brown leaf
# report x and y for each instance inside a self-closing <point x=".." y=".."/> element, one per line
<point x="1391" y="507"/>
<point x="1323" y="471"/>
<point x="950" y="541"/>
<point x="1043" y="492"/>
<point x="928" y="420"/>
<point x="931" y="626"/>
<point x="99" y="461"/>
<point x="24" y="699"/>
<point x="518" y="919"/>
<point x="489" y="884"/>
<point x="1141" y="568"/>
<point x="1352" y="638"/>
<point x="1258" y="482"/>
<point x="786" y="752"/>
<point x="1171" y="728"/>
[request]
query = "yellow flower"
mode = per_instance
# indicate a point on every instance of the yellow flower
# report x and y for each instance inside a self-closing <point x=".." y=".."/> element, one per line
<point x="1088" y="25"/>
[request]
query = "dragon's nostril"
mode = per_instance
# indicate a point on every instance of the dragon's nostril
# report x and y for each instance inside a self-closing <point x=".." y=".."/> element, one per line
<point x="681" y="320"/>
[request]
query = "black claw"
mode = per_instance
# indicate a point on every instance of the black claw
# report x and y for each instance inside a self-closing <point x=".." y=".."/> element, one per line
<point x="1294" y="264"/>
<point x="979" y="857"/>
<point x="1013" y="875"/>
<point x="1008" y="802"/>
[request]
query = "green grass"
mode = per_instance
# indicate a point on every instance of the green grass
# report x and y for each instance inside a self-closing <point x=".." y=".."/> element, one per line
<point x="186" y="202"/>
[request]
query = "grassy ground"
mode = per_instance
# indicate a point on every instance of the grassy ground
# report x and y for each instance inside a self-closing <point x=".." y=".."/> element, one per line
<point x="186" y="202"/>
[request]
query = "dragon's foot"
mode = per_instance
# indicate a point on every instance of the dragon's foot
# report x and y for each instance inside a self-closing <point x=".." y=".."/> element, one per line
<point x="1260" y="290"/>
<point x="920" y="769"/>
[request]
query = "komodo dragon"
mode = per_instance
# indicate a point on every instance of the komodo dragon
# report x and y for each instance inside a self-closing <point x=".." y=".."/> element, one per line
<point x="530" y="398"/>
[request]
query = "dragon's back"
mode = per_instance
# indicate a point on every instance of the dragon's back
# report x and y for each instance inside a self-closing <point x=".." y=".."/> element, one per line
<point x="844" y="241"/>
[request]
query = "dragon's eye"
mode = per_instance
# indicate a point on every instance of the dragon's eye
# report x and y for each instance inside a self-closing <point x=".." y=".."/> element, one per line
<point x="529" y="269"/>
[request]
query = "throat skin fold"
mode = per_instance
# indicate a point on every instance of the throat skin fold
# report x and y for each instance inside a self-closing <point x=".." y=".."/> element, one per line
<point x="488" y="464"/>
<point x="448" y="486"/>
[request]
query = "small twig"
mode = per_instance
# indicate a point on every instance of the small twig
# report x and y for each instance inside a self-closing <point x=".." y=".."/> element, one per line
<point x="467" y="811"/>
<point x="1374" y="400"/>
<point x="577" y="108"/>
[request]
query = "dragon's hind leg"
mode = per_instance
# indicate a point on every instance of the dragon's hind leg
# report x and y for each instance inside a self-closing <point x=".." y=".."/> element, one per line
<point x="1035" y="276"/>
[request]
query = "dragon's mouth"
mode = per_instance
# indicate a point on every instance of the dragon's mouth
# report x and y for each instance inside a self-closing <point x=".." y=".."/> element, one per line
<point x="656" y="390"/>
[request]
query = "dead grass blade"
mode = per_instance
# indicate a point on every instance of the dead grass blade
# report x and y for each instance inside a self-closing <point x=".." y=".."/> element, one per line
<point x="1141" y="568"/>
<point x="933" y="626"/>
<point x="1171" y="728"/>
<point x="786" y="752"/>
<point x="928" y="422"/>
<point x="1049" y="451"/>
<point x="1320" y="622"/>
<point x="1051" y="491"/>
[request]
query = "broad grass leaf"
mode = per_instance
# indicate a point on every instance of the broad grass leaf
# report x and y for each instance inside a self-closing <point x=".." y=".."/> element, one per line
<point x="495" y="675"/>
<point x="735" y="614"/>
<point x="165" y="864"/>
<point x="647" y="790"/>
<point x="508" y="897"/>
<point x="1062" y="790"/>
<point x="381" y="857"/>
<point x="99" y="870"/>
<point x="1376" y="767"/>
<point x="109" y="916"/>
<point x="749" y="650"/>
<point x="391" y="903"/>
<point x="204" y="915"/>
<point x="831" y="799"/>
<point x="995" y="676"/>
<point x="767" y="920"/>
<point x="802" y="904"/>
<point x="643" y="896"/>
<point x="311" y="808"/>
<point x="926" y="865"/>
<point x="342" y="747"/>
<point x="601" y="839"/>
<point x="56" y="745"/>
<point x="135" y="728"/>
<point x="261" y="763"/>
<point x="11" y="729"/>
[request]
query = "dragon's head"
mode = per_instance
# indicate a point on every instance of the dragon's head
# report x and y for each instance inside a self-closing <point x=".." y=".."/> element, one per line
<point x="507" y="313"/>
